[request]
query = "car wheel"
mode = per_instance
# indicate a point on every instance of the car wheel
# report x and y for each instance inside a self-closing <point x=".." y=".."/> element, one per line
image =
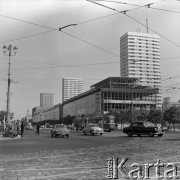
<point x="129" y="134"/>
<point x="160" y="135"/>
<point x="100" y="134"/>
<point x="56" y="135"/>
<point x="91" y="133"/>
<point x="151" y="134"/>
<point x="67" y="135"/>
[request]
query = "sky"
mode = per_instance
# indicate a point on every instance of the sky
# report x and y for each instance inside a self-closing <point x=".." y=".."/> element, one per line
<point x="89" y="50"/>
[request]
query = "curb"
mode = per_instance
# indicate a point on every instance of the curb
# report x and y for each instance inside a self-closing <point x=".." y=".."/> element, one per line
<point x="8" y="138"/>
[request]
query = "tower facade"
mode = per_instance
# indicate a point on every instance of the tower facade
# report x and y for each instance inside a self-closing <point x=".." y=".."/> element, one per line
<point x="140" y="57"/>
<point x="46" y="100"/>
<point x="71" y="87"/>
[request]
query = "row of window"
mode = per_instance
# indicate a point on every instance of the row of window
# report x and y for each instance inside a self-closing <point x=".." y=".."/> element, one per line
<point x="107" y="107"/>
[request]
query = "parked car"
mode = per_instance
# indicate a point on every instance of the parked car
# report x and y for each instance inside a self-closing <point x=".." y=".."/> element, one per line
<point x="93" y="129"/>
<point x="143" y="128"/>
<point x="47" y="125"/>
<point x="29" y="127"/>
<point x="59" y="130"/>
<point x="51" y="126"/>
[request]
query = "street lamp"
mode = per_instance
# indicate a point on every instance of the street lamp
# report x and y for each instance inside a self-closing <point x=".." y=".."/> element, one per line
<point x="9" y="51"/>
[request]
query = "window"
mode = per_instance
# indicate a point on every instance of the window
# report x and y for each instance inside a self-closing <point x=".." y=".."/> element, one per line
<point x="134" y="125"/>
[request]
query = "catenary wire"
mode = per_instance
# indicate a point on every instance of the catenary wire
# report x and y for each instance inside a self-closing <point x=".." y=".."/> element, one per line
<point x="79" y="24"/>
<point x="147" y="5"/>
<point x="125" y="13"/>
<point x="32" y="35"/>
<point x="41" y="62"/>
<point x="57" y="66"/>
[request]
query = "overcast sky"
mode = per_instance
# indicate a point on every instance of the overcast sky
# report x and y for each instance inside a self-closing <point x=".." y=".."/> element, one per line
<point x="89" y="50"/>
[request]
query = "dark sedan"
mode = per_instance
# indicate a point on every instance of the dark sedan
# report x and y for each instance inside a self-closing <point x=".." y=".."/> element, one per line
<point x="143" y="128"/>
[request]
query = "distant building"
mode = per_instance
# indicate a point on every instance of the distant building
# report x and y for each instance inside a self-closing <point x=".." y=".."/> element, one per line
<point x="46" y="100"/>
<point x="71" y="87"/>
<point x="140" y="58"/>
<point x="113" y="93"/>
<point x="110" y="94"/>
<point x="53" y="113"/>
<point x="167" y="103"/>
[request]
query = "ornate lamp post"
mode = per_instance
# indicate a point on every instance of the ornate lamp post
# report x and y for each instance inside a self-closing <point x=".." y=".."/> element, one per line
<point x="9" y="51"/>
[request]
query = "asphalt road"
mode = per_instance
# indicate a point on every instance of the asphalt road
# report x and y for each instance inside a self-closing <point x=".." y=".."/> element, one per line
<point x="31" y="142"/>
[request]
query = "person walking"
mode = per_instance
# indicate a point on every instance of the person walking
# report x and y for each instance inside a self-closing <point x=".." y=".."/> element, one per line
<point x="22" y="128"/>
<point x="38" y="126"/>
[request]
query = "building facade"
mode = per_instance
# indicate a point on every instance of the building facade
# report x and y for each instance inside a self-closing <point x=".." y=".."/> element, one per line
<point x="140" y="57"/>
<point x="71" y="87"/>
<point x="113" y="93"/>
<point x="46" y="100"/>
<point x="53" y="113"/>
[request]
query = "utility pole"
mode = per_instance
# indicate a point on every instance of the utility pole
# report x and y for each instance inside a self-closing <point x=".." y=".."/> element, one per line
<point x="9" y="51"/>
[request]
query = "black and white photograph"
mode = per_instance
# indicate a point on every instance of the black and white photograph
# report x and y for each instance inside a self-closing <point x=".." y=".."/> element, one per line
<point x="89" y="89"/>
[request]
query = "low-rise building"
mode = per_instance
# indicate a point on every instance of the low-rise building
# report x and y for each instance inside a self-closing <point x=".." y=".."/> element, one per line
<point x="113" y="93"/>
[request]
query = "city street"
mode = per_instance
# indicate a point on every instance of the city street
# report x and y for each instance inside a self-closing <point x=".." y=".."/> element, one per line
<point x="31" y="142"/>
<point x="81" y="157"/>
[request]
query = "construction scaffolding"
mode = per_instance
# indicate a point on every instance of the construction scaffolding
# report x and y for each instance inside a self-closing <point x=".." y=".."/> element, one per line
<point x="125" y="92"/>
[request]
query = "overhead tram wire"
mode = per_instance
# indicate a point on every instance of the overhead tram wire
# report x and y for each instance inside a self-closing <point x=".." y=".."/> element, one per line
<point x="148" y="5"/>
<point x="110" y="62"/>
<point x="60" y="29"/>
<point x="32" y="35"/>
<point x="125" y="13"/>
<point x="27" y="22"/>
<point x="77" y="65"/>
<point x="53" y="29"/>
<point x="153" y="30"/>
<point x="87" y="42"/>
<point x="62" y="66"/>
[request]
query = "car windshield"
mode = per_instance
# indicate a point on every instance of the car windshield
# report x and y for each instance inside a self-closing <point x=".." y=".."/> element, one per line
<point x="93" y="125"/>
<point x="60" y="126"/>
<point x="148" y="124"/>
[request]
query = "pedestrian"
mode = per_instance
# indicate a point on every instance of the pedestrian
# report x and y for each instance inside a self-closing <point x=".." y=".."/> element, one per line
<point x="38" y="126"/>
<point x="22" y="128"/>
<point x="17" y="127"/>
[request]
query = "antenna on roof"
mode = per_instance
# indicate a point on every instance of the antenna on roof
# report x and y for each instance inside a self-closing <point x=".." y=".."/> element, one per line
<point x="147" y="19"/>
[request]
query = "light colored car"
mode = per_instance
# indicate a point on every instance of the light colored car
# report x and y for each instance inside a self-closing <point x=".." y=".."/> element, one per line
<point x="93" y="129"/>
<point x="59" y="130"/>
<point x="29" y="127"/>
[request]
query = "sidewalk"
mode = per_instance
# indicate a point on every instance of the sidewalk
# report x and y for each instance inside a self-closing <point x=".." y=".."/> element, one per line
<point x="9" y="138"/>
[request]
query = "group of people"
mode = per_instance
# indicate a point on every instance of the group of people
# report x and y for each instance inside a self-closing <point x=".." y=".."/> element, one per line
<point x="6" y="128"/>
<point x="19" y="126"/>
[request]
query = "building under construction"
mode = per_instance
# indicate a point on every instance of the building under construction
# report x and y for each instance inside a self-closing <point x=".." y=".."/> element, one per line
<point x="113" y="93"/>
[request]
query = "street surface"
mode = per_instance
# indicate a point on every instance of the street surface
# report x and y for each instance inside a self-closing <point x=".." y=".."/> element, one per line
<point x="81" y="157"/>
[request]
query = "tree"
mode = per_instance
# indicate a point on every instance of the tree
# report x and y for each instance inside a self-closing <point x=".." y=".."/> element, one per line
<point x="170" y="114"/>
<point x="2" y="115"/>
<point x="142" y="114"/>
<point x="68" y="119"/>
<point x="154" y="116"/>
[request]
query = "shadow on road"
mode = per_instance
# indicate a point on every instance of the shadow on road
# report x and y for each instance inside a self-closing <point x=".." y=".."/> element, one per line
<point x="171" y="140"/>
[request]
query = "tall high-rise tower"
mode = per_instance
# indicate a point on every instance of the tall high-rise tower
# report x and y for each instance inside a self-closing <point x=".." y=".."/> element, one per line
<point x="46" y="100"/>
<point x="71" y="87"/>
<point x="140" y="57"/>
